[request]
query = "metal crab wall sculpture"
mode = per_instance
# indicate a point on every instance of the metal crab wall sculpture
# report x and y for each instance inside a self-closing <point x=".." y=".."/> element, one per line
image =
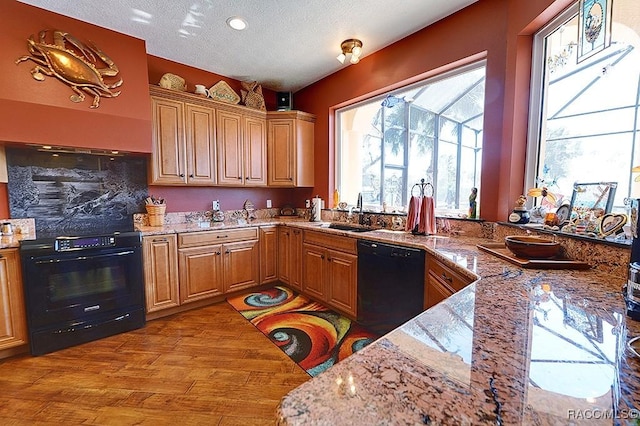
<point x="73" y="63"/>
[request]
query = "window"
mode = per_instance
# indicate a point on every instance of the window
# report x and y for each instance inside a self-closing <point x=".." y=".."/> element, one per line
<point x="584" y="122"/>
<point x="431" y="130"/>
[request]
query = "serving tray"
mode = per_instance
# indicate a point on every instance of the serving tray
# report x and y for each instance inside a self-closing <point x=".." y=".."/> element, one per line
<point x="501" y="251"/>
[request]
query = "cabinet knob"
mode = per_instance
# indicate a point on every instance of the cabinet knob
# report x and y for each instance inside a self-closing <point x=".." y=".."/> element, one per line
<point x="191" y="175"/>
<point x="181" y="174"/>
<point x="221" y="236"/>
<point x="227" y="252"/>
<point x="446" y="278"/>
<point x="322" y="256"/>
<point x="239" y="177"/>
<point x="290" y="178"/>
<point x="218" y="253"/>
<point x="155" y="240"/>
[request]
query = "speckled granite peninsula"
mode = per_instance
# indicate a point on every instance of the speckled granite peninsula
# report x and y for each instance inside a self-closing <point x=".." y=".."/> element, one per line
<point x="518" y="347"/>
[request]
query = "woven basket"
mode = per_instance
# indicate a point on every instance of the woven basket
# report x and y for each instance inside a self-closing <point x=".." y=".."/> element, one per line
<point x="156" y="214"/>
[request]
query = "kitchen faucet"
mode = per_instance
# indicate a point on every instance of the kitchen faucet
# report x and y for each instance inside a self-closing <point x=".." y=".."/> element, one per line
<point x="360" y="215"/>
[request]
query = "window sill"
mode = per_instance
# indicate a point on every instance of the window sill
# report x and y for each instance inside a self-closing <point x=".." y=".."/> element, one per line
<point x="607" y="241"/>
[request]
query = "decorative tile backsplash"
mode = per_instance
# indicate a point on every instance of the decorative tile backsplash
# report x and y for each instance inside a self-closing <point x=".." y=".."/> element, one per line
<point x="75" y="192"/>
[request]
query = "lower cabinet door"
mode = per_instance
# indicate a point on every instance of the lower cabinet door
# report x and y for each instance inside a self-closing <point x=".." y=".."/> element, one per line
<point x="13" y="321"/>
<point x="268" y="254"/>
<point x="200" y="272"/>
<point x="342" y="279"/>
<point x="313" y="260"/>
<point x="435" y="292"/>
<point x="295" y="259"/>
<point x="284" y="256"/>
<point x="241" y="265"/>
<point x="160" y="272"/>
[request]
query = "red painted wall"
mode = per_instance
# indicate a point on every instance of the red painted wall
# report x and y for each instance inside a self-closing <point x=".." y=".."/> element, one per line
<point x="498" y="30"/>
<point x="159" y="66"/>
<point x="40" y="111"/>
<point x="180" y="199"/>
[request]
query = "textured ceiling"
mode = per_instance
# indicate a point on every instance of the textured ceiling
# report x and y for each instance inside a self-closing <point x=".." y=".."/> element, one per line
<point x="287" y="45"/>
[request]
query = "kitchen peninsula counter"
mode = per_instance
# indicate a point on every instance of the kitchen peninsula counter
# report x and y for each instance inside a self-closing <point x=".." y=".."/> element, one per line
<point x="519" y="346"/>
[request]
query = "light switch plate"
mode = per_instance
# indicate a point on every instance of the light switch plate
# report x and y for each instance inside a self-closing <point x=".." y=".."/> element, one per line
<point x="216" y="205"/>
<point x="268" y="204"/>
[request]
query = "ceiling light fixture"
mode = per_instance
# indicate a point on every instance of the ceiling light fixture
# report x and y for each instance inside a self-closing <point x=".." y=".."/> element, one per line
<point x="351" y="47"/>
<point x="237" y="23"/>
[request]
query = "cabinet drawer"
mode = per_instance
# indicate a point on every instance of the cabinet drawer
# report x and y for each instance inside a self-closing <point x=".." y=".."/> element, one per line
<point x="336" y="242"/>
<point x="193" y="239"/>
<point x="446" y="275"/>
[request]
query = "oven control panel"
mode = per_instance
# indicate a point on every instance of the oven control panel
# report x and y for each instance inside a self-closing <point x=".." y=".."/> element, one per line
<point x="65" y="244"/>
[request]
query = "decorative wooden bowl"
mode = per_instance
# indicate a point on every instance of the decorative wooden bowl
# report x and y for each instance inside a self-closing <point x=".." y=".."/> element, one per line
<point x="529" y="247"/>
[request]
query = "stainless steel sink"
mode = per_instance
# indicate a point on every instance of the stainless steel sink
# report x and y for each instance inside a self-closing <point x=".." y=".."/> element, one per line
<point x="348" y="227"/>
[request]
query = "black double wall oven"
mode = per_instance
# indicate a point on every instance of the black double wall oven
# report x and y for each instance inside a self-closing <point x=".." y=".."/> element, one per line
<point x="79" y="289"/>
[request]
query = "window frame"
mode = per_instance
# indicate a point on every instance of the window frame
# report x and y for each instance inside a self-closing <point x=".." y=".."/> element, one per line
<point x="380" y="96"/>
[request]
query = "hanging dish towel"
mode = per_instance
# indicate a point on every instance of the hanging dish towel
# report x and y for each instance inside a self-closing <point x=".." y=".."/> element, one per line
<point x="412" y="213"/>
<point x="427" y="217"/>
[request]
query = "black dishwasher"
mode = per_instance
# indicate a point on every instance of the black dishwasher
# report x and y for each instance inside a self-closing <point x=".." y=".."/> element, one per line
<point x="390" y="285"/>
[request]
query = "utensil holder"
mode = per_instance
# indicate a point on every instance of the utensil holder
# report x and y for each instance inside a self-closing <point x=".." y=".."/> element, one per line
<point x="156" y="214"/>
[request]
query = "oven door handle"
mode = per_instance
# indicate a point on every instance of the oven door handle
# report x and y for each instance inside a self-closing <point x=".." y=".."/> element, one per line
<point x="88" y="325"/>
<point x="76" y="258"/>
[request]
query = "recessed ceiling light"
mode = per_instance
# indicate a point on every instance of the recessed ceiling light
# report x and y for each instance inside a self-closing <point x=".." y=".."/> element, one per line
<point x="237" y="23"/>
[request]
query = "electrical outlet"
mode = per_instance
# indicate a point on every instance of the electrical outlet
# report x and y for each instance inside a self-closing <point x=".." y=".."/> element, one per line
<point x="269" y="204"/>
<point x="216" y="205"/>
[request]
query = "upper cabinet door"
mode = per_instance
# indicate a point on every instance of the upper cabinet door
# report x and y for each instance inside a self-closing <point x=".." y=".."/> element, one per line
<point x="230" y="152"/>
<point x="290" y="140"/>
<point x="201" y="145"/>
<point x="168" y="153"/>
<point x="281" y="152"/>
<point x="255" y="151"/>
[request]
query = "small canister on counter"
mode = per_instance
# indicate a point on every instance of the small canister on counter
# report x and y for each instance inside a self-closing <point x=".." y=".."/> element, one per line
<point x="7" y="229"/>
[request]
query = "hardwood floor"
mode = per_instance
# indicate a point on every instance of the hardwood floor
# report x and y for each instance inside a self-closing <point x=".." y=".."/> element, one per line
<point x="207" y="366"/>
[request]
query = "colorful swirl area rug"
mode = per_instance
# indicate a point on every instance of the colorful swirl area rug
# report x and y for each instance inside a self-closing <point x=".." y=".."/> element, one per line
<point x="310" y="334"/>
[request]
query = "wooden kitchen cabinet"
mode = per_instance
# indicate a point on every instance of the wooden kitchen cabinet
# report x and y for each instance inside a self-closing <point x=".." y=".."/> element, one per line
<point x="160" y="271"/>
<point x="295" y="258"/>
<point x="268" y="254"/>
<point x="342" y="281"/>
<point x="13" y="322"/>
<point x="255" y="151"/>
<point x="441" y="281"/>
<point x="213" y="263"/>
<point x="284" y="254"/>
<point x="290" y="256"/>
<point x="200" y="138"/>
<point x="230" y="147"/>
<point x="168" y="147"/>
<point x="242" y="149"/>
<point x="314" y="271"/>
<point x="290" y="140"/>
<point x="330" y="270"/>
<point x="200" y="272"/>
<point x="183" y="148"/>
<point x="241" y="265"/>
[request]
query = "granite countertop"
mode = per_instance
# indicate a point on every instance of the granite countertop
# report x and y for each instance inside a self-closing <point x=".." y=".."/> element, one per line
<point x="176" y="228"/>
<point x="519" y="346"/>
